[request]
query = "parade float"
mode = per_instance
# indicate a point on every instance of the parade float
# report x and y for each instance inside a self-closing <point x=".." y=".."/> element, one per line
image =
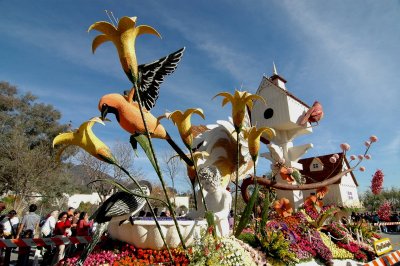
<point x="279" y="225"/>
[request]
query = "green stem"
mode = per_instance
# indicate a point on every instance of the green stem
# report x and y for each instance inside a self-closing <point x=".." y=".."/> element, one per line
<point x="151" y="210"/>
<point x="159" y="174"/>
<point x="194" y="194"/>
<point x="237" y="178"/>
<point x="198" y="181"/>
<point x="255" y="190"/>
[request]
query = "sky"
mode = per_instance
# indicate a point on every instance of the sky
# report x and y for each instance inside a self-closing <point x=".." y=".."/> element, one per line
<point x="345" y="54"/>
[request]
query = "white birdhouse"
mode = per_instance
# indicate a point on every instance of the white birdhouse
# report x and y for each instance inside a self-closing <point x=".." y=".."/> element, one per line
<point x="283" y="110"/>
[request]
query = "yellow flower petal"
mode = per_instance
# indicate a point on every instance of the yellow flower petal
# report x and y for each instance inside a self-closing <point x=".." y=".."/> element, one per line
<point x="87" y="140"/>
<point x="123" y="38"/>
<point x="183" y="123"/>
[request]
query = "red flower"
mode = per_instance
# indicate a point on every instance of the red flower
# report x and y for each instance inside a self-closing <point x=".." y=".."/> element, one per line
<point x="377" y="182"/>
<point x="384" y="211"/>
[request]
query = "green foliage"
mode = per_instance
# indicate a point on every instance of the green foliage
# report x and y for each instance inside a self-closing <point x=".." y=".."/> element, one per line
<point x="26" y="153"/>
<point x="250" y="239"/>
<point x="244" y="219"/>
<point x="265" y="210"/>
<point x="145" y="144"/>
<point x="276" y="247"/>
<point x="372" y="202"/>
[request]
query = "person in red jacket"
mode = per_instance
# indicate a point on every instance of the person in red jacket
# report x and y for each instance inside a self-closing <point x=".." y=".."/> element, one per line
<point x="84" y="225"/>
<point x="61" y="225"/>
<point x="61" y="229"/>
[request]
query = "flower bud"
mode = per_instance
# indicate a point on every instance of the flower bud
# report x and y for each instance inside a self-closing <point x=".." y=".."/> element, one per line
<point x="345" y="146"/>
<point x="362" y="168"/>
<point x="373" y="138"/>
<point x="332" y="159"/>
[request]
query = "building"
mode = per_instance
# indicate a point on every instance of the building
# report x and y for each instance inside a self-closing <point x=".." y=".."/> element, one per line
<point x="343" y="193"/>
<point x="76" y="199"/>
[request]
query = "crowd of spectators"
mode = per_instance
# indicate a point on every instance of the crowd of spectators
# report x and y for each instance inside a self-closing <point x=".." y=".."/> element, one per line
<point x="66" y="223"/>
<point x="374" y="218"/>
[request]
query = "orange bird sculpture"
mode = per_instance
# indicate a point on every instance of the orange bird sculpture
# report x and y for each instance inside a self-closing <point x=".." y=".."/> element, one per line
<point x="128" y="115"/>
<point x="313" y="115"/>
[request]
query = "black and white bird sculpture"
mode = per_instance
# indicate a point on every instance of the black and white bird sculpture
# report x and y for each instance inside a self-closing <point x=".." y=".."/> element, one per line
<point x="118" y="204"/>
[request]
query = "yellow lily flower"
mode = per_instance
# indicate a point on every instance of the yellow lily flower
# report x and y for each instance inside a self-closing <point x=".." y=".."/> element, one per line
<point x="123" y="37"/>
<point x="182" y="121"/>
<point x="253" y="137"/>
<point x="239" y="101"/>
<point x="87" y="140"/>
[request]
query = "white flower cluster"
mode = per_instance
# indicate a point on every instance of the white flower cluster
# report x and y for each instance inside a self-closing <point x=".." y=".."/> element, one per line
<point x="235" y="254"/>
<point x="258" y="256"/>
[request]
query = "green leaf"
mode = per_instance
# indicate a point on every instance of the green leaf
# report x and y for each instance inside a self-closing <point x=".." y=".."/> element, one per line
<point x="247" y="212"/>
<point x="265" y="211"/>
<point x="210" y="221"/>
<point x="297" y="176"/>
<point x="145" y="144"/>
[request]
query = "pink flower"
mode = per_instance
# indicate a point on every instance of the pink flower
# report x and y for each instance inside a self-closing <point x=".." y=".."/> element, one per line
<point x="377" y="182"/>
<point x="353" y="157"/>
<point x="367" y="143"/>
<point x="332" y="159"/>
<point x="360" y="156"/>
<point x="373" y="138"/>
<point x="345" y="146"/>
<point x="362" y="168"/>
<point x="289" y="171"/>
<point x="367" y="156"/>
<point x="336" y="156"/>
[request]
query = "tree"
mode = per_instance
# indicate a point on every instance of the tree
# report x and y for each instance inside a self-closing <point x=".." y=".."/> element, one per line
<point x="172" y="167"/>
<point x="27" y="166"/>
<point x="372" y="202"/>
<point x="95" y="169"/>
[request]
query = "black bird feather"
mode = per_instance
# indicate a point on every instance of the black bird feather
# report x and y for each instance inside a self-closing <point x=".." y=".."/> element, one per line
<point x="152" y="75"/>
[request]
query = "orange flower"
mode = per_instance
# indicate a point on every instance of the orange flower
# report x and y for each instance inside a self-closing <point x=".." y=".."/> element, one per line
<point x="286" y="174"/>
<point x="283" y="207"/>
<point x="314" y="202"/>
<point x="321" y="192"/>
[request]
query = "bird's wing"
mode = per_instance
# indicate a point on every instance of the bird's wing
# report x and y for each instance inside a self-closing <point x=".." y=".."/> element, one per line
<point x="118" y="204"/>
<point x="152" y="75"/>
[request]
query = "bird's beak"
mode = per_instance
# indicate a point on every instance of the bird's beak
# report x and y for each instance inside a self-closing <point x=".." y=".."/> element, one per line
<point x="104" y="111"/>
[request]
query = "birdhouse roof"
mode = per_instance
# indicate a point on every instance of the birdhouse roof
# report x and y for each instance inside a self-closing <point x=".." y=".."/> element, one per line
<point x="329" y="169"/>
<point x="287" y="92"/>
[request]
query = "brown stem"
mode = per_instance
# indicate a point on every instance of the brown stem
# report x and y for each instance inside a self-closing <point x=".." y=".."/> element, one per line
<point x="284" y="186"/>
